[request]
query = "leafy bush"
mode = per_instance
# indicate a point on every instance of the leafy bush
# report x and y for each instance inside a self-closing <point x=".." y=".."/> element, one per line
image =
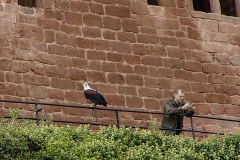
<point x="25" y="140"/>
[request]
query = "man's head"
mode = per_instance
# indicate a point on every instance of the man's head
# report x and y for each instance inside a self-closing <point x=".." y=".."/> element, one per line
<point x="178" y="95"/>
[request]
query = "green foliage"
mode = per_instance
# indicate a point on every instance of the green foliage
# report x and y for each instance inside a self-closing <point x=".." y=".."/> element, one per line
<point x="26" y="140"/>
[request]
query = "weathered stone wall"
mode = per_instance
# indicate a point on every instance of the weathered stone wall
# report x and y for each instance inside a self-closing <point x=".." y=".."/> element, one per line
<point x="135" y="54"/>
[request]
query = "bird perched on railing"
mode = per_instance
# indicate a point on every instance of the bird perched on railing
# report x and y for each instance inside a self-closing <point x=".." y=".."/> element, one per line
<point x="94" y="96"/>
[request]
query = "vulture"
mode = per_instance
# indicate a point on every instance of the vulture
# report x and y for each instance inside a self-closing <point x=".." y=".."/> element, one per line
<point x="94" y="96"/>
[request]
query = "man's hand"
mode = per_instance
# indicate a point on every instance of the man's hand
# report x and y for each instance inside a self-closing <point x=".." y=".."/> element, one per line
<point x="188" y="106"/>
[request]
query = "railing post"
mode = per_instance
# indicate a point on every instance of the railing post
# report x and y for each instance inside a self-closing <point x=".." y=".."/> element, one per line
<point x="193" y="134"/>
<point x="36" y="110"/>
<point x="117" y="118"/>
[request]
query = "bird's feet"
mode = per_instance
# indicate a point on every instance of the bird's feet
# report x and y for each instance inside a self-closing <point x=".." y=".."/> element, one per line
<point x="94" y="112"/>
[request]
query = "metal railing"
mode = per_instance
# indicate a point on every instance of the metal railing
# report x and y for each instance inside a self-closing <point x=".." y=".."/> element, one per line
<point x="116" y="111"/>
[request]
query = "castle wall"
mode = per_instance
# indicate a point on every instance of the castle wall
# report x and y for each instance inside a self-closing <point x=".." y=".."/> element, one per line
<point x="134" y="53"/>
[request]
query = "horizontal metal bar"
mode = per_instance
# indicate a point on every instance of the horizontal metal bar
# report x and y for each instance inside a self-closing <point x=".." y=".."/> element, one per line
<point x="114" y="109"/>
<point x="42" y="103"/>
<point x="208" y="117"/>
<point x="100" y="124"/>
<point x="118" y="110"/>
<point x="73" y="122"/>
<point x="27" y="118"/>
<point x="189" y="130"/>
<point x="75" y="106"/>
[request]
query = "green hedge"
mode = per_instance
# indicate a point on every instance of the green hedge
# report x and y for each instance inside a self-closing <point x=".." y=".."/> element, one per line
<point x="27" y="141"/>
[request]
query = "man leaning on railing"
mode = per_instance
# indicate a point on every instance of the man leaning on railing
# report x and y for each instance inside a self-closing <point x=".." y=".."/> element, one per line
<point x="172" y="122"/>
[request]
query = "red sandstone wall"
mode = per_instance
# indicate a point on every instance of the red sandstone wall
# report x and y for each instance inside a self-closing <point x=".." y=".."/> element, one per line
<point x="133" y="53"/>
